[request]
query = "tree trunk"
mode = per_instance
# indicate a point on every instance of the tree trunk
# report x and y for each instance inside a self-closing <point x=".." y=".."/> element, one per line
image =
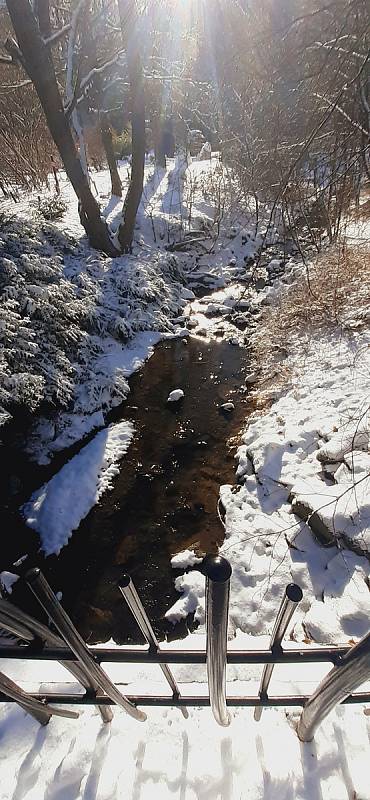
<point x="39" y="66"/>
<point x="42" y="12"/>
<point x="136" y="80"/>
<point x="105" y="129"/>
<point x="160" y="156"/>
<point x="106" y="137"/>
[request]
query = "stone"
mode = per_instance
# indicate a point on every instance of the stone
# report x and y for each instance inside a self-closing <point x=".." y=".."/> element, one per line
<point x="228" y="407"/>
<point x="175" y="396"/>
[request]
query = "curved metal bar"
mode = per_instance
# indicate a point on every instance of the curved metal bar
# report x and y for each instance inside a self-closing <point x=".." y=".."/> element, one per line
<point x="38" y="710"/>
<point x="20" y="624"/>
<point x="11" y="625"/>
<point x="62" y="622"/>
<point x="293" y="596"/>
<point x="137" y="609"/>
<point x="40" y="713"/>
<point x="218" y="572"/>
<point x="352" y="670"/>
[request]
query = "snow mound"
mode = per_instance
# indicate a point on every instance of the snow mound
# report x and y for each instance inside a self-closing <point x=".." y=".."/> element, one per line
<point x="228" y="407"/>
<point x="192" y="587"/>
<point x="186" y="558"/>
<point x="341" y="511"/>
<point x="56" y="510"/>
<point x="7" y="580"/>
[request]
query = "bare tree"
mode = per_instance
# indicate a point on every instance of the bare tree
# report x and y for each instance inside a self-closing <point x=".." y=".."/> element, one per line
<point x="34" y="55"/>
<point x="130" y="36"/>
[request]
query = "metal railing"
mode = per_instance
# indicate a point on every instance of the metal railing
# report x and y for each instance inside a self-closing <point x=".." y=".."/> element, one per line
<point x="351" y="666"/>
<point x="293" y="595"/>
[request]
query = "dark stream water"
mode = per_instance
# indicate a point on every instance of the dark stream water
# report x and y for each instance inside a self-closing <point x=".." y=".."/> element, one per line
<point x="165" y="497"/>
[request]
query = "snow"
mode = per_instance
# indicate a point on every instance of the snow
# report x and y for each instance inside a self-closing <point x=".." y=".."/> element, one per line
<point x="191" y="585"/>
<point x="56" y="510"/>
<point x="187" y="558"/>
<point x="7" y="580"/>
<point x="344" y="510"/>
<point x="175" y="395"/>
<point x="20" y="560"/>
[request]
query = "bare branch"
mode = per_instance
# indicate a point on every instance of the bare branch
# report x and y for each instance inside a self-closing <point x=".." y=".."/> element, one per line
<point x="57" y="35"/>
<point x="14" y="51"/>
<point x="344" y="114"/>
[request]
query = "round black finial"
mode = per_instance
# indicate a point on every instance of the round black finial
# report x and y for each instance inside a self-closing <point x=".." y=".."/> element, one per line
<point x="32" y="574"/>
<point x="124" y="581"/>
<point x="294" y="592"/>
<point x="216" y="568"/>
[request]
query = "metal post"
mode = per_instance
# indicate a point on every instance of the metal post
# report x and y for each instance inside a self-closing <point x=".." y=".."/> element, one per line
<point x="62" y="622"/>
<point x="137" y="609"/>
<point x="350" y="672"/>
<point x="293" y="596"/>
<point x="218" y="572"/>
<point x="20" y="624"/>
<point x="36" y="708"/>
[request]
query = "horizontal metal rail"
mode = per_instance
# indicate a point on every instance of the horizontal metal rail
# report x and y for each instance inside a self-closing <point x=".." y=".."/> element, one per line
<point x="193" y="701"/>
<point x="30" y="704"/>
<point x="109" y="655"/>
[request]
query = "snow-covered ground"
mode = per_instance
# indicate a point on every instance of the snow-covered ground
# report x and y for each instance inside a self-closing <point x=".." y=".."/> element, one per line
<point x="305" y="451"/>
<point x="168" y="757"/>
<point x="192" y="759"/>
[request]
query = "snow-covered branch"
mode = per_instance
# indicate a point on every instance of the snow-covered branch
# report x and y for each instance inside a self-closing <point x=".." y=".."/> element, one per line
<point x="57" y="35"/>
<point x="332" y="47"/>
<point x="341" y="110"/>
<point x="89" y="78"/>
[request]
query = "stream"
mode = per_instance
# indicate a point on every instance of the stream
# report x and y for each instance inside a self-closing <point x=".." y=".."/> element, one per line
<point x="165" y="498"/>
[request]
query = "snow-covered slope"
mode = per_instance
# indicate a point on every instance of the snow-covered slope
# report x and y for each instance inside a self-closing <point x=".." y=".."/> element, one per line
<point x="65" y="321"/>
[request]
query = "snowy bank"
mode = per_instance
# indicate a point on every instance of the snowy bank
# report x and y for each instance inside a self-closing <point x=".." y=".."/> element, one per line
<point x="67" y="319"/>
<point x="267" y="544"/>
